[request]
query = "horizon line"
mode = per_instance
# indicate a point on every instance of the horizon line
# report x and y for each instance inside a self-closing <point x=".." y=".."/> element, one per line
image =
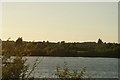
<point x="55" y="41"/>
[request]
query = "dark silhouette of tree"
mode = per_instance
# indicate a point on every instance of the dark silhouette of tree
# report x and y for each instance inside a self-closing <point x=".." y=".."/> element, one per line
<point x="100" y="41"/>
<point x="62" y="42"/>
<point x="19" y="41"/>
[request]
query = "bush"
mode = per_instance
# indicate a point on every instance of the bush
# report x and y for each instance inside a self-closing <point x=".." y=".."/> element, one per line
<point x="66" y="74"/>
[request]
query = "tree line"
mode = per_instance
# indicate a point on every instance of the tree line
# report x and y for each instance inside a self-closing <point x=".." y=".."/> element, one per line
<point x="61" y="49"/>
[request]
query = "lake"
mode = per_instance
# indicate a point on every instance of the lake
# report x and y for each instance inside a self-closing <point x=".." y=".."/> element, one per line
<point x="95" y="67"/>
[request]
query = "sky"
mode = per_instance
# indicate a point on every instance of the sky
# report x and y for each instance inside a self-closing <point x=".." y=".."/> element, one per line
<point x="57" y="21"/>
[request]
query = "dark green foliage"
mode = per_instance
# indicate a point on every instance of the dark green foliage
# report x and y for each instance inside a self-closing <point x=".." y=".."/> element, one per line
<point x="14" y="67"/>
<point x="63" y="49"/>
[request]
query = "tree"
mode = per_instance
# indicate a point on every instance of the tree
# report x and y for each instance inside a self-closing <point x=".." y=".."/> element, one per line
<point x="62" y="42"/>
<point x="100" y="41"/>
<point x="19" y="41"/>
<point x="15" y="67"/>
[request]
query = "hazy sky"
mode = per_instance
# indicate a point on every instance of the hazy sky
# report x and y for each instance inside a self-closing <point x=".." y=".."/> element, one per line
<point x="82" y="21"/>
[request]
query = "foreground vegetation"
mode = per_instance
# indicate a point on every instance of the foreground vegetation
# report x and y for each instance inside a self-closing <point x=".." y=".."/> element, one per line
<point x="63" y="49"/>
<point x="66" y="74"/>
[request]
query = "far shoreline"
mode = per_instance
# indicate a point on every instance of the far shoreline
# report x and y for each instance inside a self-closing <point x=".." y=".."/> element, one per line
<point x="76" y="56"/>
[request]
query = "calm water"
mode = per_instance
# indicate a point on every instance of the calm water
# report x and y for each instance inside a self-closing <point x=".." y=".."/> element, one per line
<point x="95" y="67"/>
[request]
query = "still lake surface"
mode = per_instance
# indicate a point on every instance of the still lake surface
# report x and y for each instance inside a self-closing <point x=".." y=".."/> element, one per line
<point x="95" y="67"/>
